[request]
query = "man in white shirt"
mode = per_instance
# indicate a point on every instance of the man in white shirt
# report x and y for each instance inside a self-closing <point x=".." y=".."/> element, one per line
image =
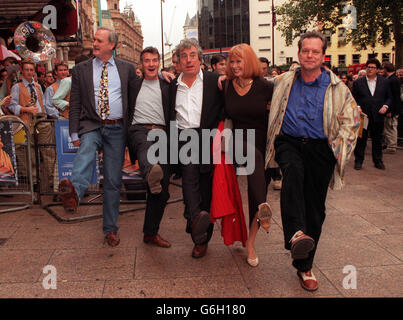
<point x="150" y="112"/>
<point x="372" y="93"/>
<point x="197" y="104"/>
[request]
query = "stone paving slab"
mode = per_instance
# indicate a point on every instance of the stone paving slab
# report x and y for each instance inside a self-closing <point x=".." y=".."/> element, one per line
<point x="222" y="286"/>
<point x="22" y="265"/>
<point x="382" y="281"/>
<point x="65" y="289"/>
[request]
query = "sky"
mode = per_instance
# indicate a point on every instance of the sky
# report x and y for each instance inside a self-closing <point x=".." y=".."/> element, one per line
<point x="149" y="13"/>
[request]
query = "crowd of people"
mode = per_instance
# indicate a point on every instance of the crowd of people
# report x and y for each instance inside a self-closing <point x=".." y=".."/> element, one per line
<point x="306" y="124"/>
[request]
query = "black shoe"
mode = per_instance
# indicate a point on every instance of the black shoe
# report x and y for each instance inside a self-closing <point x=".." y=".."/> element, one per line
<point x="357" y="165"/>
<point x="380" y="165"/>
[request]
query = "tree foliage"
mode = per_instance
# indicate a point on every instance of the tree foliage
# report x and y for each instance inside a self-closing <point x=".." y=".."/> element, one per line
<point x="377" y="21"/>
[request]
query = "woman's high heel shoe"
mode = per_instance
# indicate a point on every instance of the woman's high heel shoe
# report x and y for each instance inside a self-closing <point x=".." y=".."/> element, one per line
<point x="264" y="215"/>
<point x="253" y="262"/>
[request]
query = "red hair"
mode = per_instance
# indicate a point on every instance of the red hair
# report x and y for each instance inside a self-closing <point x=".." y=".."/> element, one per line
<point x="253" y="67"/>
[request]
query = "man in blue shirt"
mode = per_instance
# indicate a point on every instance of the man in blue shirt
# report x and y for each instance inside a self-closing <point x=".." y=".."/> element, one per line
<point x="99" y="100"/>
<point x="307" y="114"/>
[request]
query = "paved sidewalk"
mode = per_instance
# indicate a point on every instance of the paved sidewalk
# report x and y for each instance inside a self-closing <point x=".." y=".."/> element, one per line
<point x="363" y="228"/>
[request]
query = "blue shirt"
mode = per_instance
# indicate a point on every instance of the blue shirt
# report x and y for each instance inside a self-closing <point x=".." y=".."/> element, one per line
<point x="50" y="108"/>
<point x="114" y="87"/>
<point x="304" y="113"/>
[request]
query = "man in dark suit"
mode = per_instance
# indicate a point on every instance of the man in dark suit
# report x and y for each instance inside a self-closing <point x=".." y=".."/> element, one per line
<point x="150" y="112"/>
<point x="372" y="93"/>
<point x="392" y="115"/>
<point x="99" y="100"/>
<point x="196" y="104"/>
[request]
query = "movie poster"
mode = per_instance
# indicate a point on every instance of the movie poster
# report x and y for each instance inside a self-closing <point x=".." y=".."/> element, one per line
<point x="66" y="152"/>
<point x="8" y="163"/>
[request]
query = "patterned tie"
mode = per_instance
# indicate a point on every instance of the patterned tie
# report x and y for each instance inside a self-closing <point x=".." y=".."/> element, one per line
<point x="34" y="98"/>
<point x="103" y="101"/>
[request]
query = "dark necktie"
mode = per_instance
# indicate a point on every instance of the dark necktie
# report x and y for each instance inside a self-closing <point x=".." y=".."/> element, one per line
<point x="103" y="101"/>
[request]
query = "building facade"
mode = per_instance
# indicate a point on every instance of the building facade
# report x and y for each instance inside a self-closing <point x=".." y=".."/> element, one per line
<point x="128" y="28"/>
<point x="222" y="24"/>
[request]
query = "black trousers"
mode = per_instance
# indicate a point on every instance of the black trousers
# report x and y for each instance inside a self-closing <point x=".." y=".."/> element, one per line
<point x="156" y="203"/>
<point x="375" y="129"/>
<point x="197" y="183"/>
<point x="307" y="168"/>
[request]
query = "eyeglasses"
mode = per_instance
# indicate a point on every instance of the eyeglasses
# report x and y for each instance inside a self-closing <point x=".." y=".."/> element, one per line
<point x="371" y="67"/>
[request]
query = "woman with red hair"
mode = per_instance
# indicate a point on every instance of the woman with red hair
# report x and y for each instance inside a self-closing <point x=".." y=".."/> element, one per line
<point x="247" y="101"/>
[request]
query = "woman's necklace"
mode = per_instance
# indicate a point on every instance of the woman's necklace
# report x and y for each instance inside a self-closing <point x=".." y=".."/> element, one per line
<point x="239" y="83"/>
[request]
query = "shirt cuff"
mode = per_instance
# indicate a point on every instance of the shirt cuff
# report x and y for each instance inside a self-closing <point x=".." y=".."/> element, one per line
<point x="74" y="136"/>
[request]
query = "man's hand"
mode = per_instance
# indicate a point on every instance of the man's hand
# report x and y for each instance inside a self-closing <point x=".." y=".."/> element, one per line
<point x="6" y="101"/>
<point x="31" y="109"/>
<point x="383" y="110"/>
<point x="77" y="143"/>
<point x="168" y="76"/>
<point x="221" y="79"/>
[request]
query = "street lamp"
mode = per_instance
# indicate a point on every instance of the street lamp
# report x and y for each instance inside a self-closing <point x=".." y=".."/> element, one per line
<point x="162" y="37"/>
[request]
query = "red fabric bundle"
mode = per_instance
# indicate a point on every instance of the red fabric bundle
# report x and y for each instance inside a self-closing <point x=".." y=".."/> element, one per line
<point x="226" y="202"/>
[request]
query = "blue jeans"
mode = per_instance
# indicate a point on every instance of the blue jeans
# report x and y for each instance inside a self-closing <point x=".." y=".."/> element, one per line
<point x="110" y="138"/>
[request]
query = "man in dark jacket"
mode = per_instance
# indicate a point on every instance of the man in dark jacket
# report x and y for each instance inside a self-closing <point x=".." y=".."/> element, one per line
<point x="392" y="115"/>
<point x="372" y="93"/>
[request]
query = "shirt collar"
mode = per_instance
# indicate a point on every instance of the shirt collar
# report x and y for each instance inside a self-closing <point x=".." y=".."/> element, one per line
<point x="200" y="76"/>
<point x="371" y="80"/>
<point x="317" y="81"/>
<point x="26" y="83"/>
<point x="111" y="61"/>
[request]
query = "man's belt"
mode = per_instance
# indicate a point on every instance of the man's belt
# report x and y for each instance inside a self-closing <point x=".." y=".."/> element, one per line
<point x="152" y="126"/>
<point x="112" y="121"/>
<point x="305" y="140"/>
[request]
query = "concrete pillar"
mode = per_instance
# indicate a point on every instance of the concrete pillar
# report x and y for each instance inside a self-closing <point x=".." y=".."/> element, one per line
<point x="66" y="54"/>
<point x="59" y="53"/>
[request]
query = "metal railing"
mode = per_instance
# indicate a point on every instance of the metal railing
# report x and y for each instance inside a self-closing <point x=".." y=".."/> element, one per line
<point x="18" y="194"/>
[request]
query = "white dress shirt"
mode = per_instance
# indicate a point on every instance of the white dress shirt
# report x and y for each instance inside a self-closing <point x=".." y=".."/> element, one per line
<point x="371" y="85"/>
<point x="189" y="101"/>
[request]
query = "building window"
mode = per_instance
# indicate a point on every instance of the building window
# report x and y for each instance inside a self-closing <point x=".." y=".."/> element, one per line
<point x="341" y="37"/>
<point x="385" y="57"/>
<point x="328" y="36"/>
<point x="289" y="60"/>
<point x="328" y="59"/>
<point x="356" y="58"/>
<point x="342" y="59"/>
<point x="372" y="55"/>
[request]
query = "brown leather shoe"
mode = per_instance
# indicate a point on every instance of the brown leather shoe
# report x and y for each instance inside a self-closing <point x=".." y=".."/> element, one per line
<point x="157" y="240"/>
<point x="199" y="250"/>
<point x="112" y="239"/>
<point x="68" y="196"/>
<point x="301" y="245"/>
<point x="200" y="226"/>
<point x="154" y="178"/>
<point x="308" y="280"/>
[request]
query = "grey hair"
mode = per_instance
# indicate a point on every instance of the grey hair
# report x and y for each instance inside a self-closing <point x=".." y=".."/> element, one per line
<point x="187" y="44"/>
<point x="112" y="36"/>
<point x="313" y="34"/>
